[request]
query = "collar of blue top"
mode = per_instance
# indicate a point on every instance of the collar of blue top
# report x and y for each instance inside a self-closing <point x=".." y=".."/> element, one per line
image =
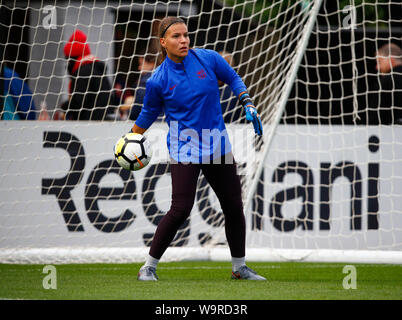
<point x="175" y="65"/>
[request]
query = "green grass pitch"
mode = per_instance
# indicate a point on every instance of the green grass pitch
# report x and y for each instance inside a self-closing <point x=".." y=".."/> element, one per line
<point x="200" y="280"/>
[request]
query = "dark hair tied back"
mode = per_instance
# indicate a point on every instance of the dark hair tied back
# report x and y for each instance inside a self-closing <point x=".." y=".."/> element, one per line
<point x="164" y="25"/>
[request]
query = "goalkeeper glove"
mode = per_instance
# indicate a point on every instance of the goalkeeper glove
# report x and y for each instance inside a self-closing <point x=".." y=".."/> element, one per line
<point x="251" y="113"/>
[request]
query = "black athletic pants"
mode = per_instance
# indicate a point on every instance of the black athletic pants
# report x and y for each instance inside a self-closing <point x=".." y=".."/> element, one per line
<point x="225" y="182"/>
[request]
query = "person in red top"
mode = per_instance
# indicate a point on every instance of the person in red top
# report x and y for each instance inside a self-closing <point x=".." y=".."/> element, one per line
<point x="90" y="92"/>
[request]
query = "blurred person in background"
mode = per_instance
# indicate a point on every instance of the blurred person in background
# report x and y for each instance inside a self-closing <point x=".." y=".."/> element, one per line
<point x="146" y="65"/>
<point x="385" y="100"/>
<point x="124" y="95"/>
<point x="90" y="92"/>
<point x="16" y="99"/>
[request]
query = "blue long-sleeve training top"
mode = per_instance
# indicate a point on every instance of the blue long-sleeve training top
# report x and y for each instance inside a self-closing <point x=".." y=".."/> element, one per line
<point x="188" y="94"/>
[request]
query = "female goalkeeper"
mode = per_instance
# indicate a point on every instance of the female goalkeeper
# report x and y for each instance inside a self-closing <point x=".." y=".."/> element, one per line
<point x="185" y="87"/>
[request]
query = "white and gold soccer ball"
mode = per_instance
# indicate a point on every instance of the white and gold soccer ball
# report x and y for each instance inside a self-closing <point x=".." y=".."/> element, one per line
<point x="133" y="151"/>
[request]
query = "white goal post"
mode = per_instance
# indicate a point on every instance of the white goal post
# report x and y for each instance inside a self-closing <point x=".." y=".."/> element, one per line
<point x="324" y="183"/>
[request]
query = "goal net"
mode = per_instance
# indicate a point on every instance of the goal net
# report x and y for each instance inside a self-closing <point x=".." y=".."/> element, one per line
<point x="324" y="182"/>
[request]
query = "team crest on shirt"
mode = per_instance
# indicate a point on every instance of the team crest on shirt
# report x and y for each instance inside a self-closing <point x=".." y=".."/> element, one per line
<point x="201" y="74"/>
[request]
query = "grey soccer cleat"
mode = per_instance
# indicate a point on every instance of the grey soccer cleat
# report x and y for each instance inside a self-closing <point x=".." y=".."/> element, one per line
<point x="147" y="274"/>
<point x="245" y="273"/>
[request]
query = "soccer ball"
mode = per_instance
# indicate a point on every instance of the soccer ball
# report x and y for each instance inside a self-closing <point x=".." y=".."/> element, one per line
<point x="132" y="151"/>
